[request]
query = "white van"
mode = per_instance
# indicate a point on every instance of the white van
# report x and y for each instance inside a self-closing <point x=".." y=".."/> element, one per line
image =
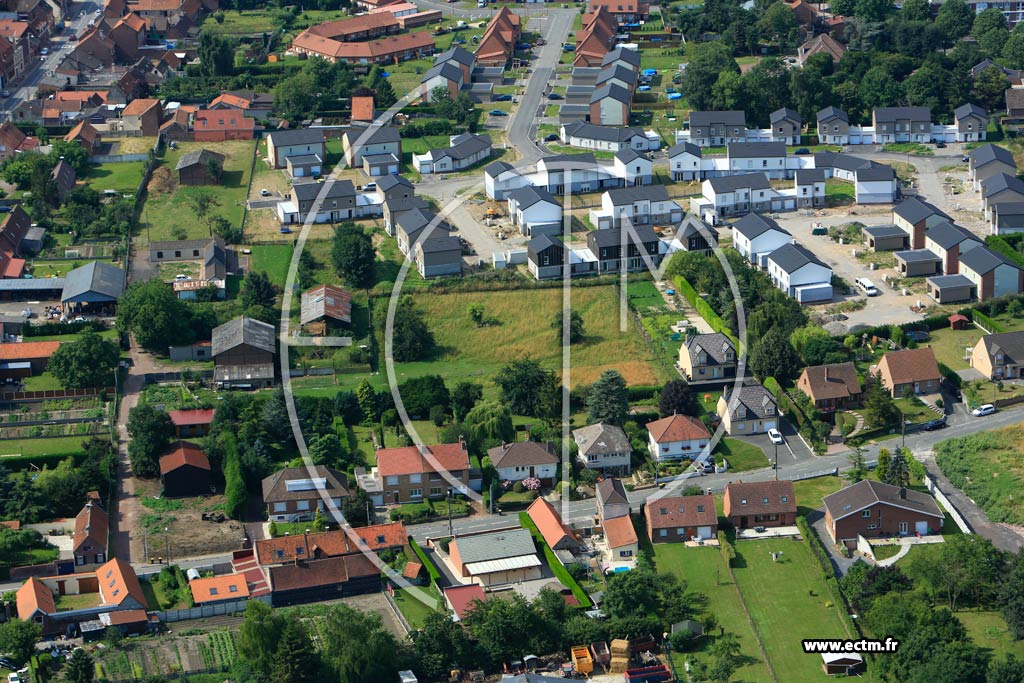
<point x="867" y="286"/>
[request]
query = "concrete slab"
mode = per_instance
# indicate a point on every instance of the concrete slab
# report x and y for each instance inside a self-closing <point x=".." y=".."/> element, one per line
<point x="769" y="532"/>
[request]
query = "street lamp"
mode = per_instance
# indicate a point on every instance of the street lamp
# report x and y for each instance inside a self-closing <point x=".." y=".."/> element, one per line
<point x="449" y="500"/>
<point x="167" y="545"/>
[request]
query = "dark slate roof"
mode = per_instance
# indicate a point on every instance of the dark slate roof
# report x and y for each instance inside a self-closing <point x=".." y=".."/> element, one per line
<point x="893" y="114"/>
<point x="406" y="204"/>
<point x="1001" y="182"/>
<point x="496" y="545"/>
<point x="622" y="73"/>
<point x="626" y="195"/>
<point x="731" y="183"/>
<point x="495" y="168"/>
<point x="983" y="260"/>
<point x="527" y="196"/>
<point x="456" y="54"/>
<point x="947" y="235"/>
<point x="386" y="182"/>
<point x="571" y="159"/>
<point x="243" y="330"/>
<point x="885" y="231"/>
<point x="916" y="256"/>
<point x="914" y="210"/>
<point x="683" y="147"/>
<point x="298" y="136"/>
<point x="199" y="156"/>
<point x="373" y="159"/>
<point x="466" y="145"/>
<point x="378" y="135"/>
<point x="785" y="114"/>
<point x="627" y="154"/>
<point x="792" y="257"/>
<point x="332" y="190"/>
<point x="807" y="176"/>
<point x="1010" y="343"/>
<point x="875" y="172"/>
<point x="714" y="345"/>
<point x="969" y="109"/>
<point x="988" y="153"/>
<point x="829" y="113"/>
<point x="1009" y="208"/>
<point x="448" y="70"/>
<point x="692" y="225"/>
<point x="604" y="133"/>
<point x="729" y="118"/>
<point x="865" y="493"/>
<point x="950" y="281"/>
<point x="439" y="243"/>
<point x="613" y="237"/>
<point x="612" y="492"/>
<point x="616" y="92"/>
<point x="622" y="54"/>
<point x="753" y="225"/>
<point x="539" y="244"/>
<point x="745" y="150"/>
<point x="755" y="398"/>
<point x="94" y="282"/>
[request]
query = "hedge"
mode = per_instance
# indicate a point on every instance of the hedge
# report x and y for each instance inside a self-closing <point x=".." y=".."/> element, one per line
<point x="997" y="243"/>
<point x="432" y="571"/>
<point x="704" y="309"/>
<point x="951" y="375"/>
<point x="50" y="329"/>
<point x="817" y="549"/>
<point x="988" y="323"/>
<point x="557" y="568"/>
<point x="642" y="393"/>
<point x="786" y="404"/>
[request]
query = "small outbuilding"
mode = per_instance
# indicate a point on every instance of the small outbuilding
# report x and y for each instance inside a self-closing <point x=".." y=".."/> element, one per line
<point x="185" y="471"/>
<point x="200" y="167"/>
<point x="324" y="308"/>
<point x="959" y="321"/>
<point x="305" y="166"/>
<point x="847" y="664"/>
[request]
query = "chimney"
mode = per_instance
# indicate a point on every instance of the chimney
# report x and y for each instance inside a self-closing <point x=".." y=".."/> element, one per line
<point x="826" y="373"/>
<point x="903" y="493"/>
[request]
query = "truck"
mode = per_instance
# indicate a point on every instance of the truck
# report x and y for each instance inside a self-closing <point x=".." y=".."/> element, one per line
<point x="581" y="659"/>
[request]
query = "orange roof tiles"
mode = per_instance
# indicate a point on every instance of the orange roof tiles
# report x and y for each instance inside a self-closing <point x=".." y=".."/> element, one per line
<point x="362" y="108"/>
<point x="677" y="428"/>
<point x="619" y="532"/>
<point x="34" y="597"/>
<point x="409" y="460"/>
<point x="354" y="25"/>
<point x="372" y="49"/>
<point x="330" y="543"/>
<point x="133" y="21"/>
<point x="216" y="588"/>
<point x="220" y="119"/>
<point x="549" y="523"/>
<point x="184" y="418"/>
<point x="118" y="582"/>
<point x="139" y="106"/>
<point x="463" y="598"/>
<point x="27" y="350"/>
<point x="91" y="524"/>
<point x="183" y="453"/>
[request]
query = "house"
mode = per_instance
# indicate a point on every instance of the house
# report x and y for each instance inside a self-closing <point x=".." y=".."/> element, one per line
<point x="911" y="371"/>
<point x="902" y="124"/>
<point x="950" y="243"/>
<point x="606" y="138"/>
<point x="993" y="273"/>
<point x="831" y="387"/>
<point x="375" y="139"/>
<point x="1007" y="218"/>
<point x="677" y="436"/>
<point x="717" y="128"/>
<point x="694" y="235"/>
<point x="603" y="447"/>
<point x="24" y="359"/>
<point x="685" y="162"/>
<point x="1000" y="188"/>
<point x="738" y="194"/>
<point x="555" y="532"/>
<point x="751" y="409"/>
<point x="612" y="501"/>
<point x="609" y="105"/>
<point x="438" y="255"/>
<point x="185" y="471"/>
<point x="64" y="178"/>
<point x="214" y="256"/>
<point x="335" y="202"/>
<point x="620" y="536"/>
<point x="192" y="423"/>
<point x="495" y="558"/>
<point x="821" y="44"/>
<point x="465" y="150"/>
<point x="497" y="44"/>
<point x="12" y="140"/>
<point x="525" y="459"/>
<point x="376" y="165"/>
<point x="324" y="308"/>
<point x="833" y="126"/>
<point x="388" y="50"/>
<point x="635" y="168"/>
<point x="951" y="289"/>
<point x="810" y="187"/>
<point x="92" y="526"/>
<point x="638" y="205"/>
<point x="395" y="209"/>
<point x="96" y="283"/>
<point x="547" y="257"/>
<point x="282" y="144"/>
<point x="251" y="103"/>
<point x="219" y="589"/>
<point x="755" y="237"/>
<point x="787" y="126"/>
<point x="1014" y="98"/>
<point x="875" y="510"/>
<point x="331" y="578"/>
<point x="444" y="74"/>
<point x="915" y="216"/>
<point x="294" y="494"/>
<point x="535" y="211"/>
<point x="999" y="356"/>
<point x="971" y="123"/>
<point x="886" y="237"/>
<point x="219" y="125"/>
<point x="628" y="12"/>
<point x="87" y="136"/>
<point x="243" y="353"/>
<point x="408" y="474"/>
<point x="461" y="599"/>
<point x="795" y="270"/>
<point x="631" y="249"/>
<point x="917" y="263"/>
<point x="200" y="167"/>
<point x="144" y="115"/>
<point x="988" y="160"/>
<point x="763" y="503"/>
<point x="707" y="358"/>
<point x="676" y="519"/>
<point x="14" y="228"/>
<point x="336" y="543"/>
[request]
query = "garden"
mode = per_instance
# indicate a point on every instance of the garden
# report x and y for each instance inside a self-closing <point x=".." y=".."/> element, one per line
<point x="989" y="468"/>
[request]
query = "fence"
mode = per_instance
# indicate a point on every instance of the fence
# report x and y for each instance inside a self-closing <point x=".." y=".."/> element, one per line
<point x="34" y="396"/>
<point x="204" y="611"/>
<point x="117" y="158"/>
<point x="252" y="173"/>
<point x="933" y="487"/>
<point x="155" y="377"/>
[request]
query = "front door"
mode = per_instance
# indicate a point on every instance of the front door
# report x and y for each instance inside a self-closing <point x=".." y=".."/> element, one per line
<point x="743" y="522"/>
<point x="904" y="528"/>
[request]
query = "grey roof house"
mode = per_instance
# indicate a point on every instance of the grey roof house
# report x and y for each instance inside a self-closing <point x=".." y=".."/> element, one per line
<point x="95" y="284"/>
<point x="603" y="447"/>
<point x="243" y="352"/>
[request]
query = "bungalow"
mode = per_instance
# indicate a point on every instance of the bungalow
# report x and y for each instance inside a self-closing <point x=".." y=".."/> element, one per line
<point x="999" y="356"/>
<point x="335" y="543"/>
<point x="676" y="519"/>
<point x="751" y="409"/>
<point x="950" y="243"/>
<point x="555" y="532"/>
<point x="677" y="436"/>
<point x="461" y="599"/>
<point x="535" y="211"/>
<point x="25" y="359"/>
<point x="466" y="149"/>
<point x="831" y="387"/>
<point x="607" y="138"/>
<point x="911" y="371"/>
<point x="917" y="263"/>
<point x="612" y="501"/>
<point x="755" y="236"/>
<point x="603" y="447"/>
<point x="800" y="274"/>
<point x="185" y="471"/>
<point x="707" y="358"/>
<point x="915" y="216"/>
<point x="993" y="273"/>
<point x="951" y="289"/>
<point x="763" y="503"/>
<point x="988" y="160"/>
<point x="282" y="144"/>
<point x="438" y="255"/>
<point x="637" y="205"/>
<point x="495" y="558"/>
<point x="388" y="50"/>
<point x="294" y="494"/>
<point x="875" y="510"/>
<point x="525" y="459"/>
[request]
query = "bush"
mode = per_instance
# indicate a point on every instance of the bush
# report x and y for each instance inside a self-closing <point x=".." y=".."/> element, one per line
<point x="817" y="549"/>
<point x="518" y="487"/>
<point x="642" y="393"/>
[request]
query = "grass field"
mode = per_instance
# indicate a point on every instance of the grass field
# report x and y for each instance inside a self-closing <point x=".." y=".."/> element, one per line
<point x="989" y="467"/>
<point x="705" y="572"/>
<point x="949" y="345"/>
<point x="809" y="492"/>
<point x="273" y="259"/>
<point x="414" y="610"/>
<point x="914" y="410"/>
<point x="123" y="176"/>
<point x="839" y="191"/>
<point x="63" y="445"/>
<point x="42" y="382"/>
<point x="168" y="213"/>
<point x="796" y="606"/>
<point x="742" y="456"/>
<point x="989" y="630"/>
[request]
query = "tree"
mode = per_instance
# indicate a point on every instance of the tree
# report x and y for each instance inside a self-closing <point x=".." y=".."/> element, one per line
<point x="295" y="97"/>
<point x="505" y="629"/>
<point x="476" y="313"/>
<point x="202" y="201"/>
<point x="523" y="383"/>
<point x="367" y="399"/>
<point x="72" y="153"/>
<point x="80" y="667"/>
<point x="151" y="430"/>
<point x="353" y="255"/>
<point x="439" y="644"/>
<point x="916" y="10"/>
<point x="412" y="339"/>
<point x="420" y="394"/>
<point x="216" y="55"/>
<point x="1009" y="669"/>
<point x="295" y="660"/>
<point x="676" y="397"/>
<point x="383" y="94"/>
<point x="707" y="61"/>
<point x="882" y="468"/>
<point x="18" y="639"/>
<point x="378" y="656"/>
<point x="969" y="565"/>
<point x="257" y="290"/>
<point x="90" y="361"/>
<point x="778" y="23"/>
<point x="872" y="10"/>
<point x="843" y="8"/>
<point x="221" y="227"/>
<point x="465" y="395"/>
<point x="609" y="399"/>
<point x="990" y="85"/>
<point x="575" y="326"/>
<point x="879" y="409"/>
<point x="858" y="468"/>
<point x="954" y="20"/>
<point x="990" y="30"/>
<point x="157" y="319"/>
<point x="356" y="506"/>
<point x="773" y="356"/>
<point x="258" y="635"/>
<point x="489" y="424"/>
<point x="898" y="471"/>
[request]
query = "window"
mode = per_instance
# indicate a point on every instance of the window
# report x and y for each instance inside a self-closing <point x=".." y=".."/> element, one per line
<point x="213" y="590"/>
<point x="872" y="527"/>
<point x="302" y="505"/>
<point x="662" y="511"/>
<point x="79" y="559"/>
<point x="280" y="507"/>
<point x="232" y="589"/>
<point x="100" y="557"/>
<point x="392" y="481"/>
<point x="785" y="499"/>
<point x="435" y="490"/>
<point x="195" y="252"/>
<point x="764" y="500"/>
<point x="625" y="553"/>
<point x="663" y="533"/>
<point x="865" y="513"/>
<point x="159" y="254"/>
<point x="415" y="493"/>
<point x="415" y="478"/>
<point x="177" y="254"/>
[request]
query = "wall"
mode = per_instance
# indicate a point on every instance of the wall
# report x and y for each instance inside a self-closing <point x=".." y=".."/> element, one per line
<point x="933" y="488"/>
<point x="864" y="547"/>
<point x="202" y="611"/>
<point x="116" y="158"/>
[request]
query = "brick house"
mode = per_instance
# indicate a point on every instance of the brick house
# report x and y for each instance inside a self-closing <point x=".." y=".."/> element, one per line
<point x="294" y="494"/>
<point x="761" y="503"/>
<point x="913" y="371"/>
<point x="218" y="125"/>
<point x="831" y="387"/>
<point x="409" y="476"/>
<point x="145" y="114"/>
<point x="873" y="510"/>
<point x="675" y="519"/>
<point x="89" y="544"/>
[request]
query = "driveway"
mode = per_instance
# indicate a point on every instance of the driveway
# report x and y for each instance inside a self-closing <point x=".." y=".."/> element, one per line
<point x="791" y="451"/>
<point x="840" y="563"/>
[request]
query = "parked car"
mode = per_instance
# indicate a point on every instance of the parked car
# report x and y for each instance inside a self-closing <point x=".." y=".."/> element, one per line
<point x="264" y="192"/>
<point x="934" y="424"/>
<point x="802" y="150"/>
<point x="940" y="145"/>
<point x="965" y="158"/>
<point x="369" y="187"/>
<point x="569" y="47"/>
<point x="982" y="411"/>
<point x="554" y="96"/>
<point x="551" y="137"/>
<point x="285" y="230"/>
<point x="503" y="98"/>
<point x="181" y="277"/>
<point x="776" y="436"/>
<point x="498" y="112"/>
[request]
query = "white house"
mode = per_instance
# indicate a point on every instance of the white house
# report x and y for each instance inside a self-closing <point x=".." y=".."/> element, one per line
<point x="603" y="447"/>
<point x="375" y="139"/>
<point x="522" y="459"/>
<point x="755" y="236"/>
<point x="768" y="158"/>
<point x="684" y="161"/>
<point x="466" y="149"/>
<point x="282" y="144"/>
<point x="501" y="178"/>
<point x="810" y="188"/>
<point x="800" y="274"/>
<point x="535" y="211"/>
<point x="677" y="436"/>
<point x="641" y="205"/>
<point x="738" y="194"/>
<point x="608" y="138"/>
<point x="633" y="167"/>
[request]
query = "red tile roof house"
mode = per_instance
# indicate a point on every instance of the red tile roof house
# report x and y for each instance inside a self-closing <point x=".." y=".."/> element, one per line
<point x="873" y="510"/>
<point x="462" y="599"/>
<point x="316" y="546"/>
<point x="144" y="114"/>
<point x="409" y="476"/>
<point x="912" y="371"/>
<point x="677" y="436"/>
<point x="555" y="532"/>
<point x="761" y="503"/>
<point x="217" y="589"/>
<point x="92" y="524"/>
<point x="185" y="471"/>
<point x="24" y="359"/>
<point x="621" y="538"/>
<point x="13" y="228"/>
<point x="85" y="135"/>
<point x="831" y="387"/>
<point x="191" y="423"/>
<point x="256" y="105"/>
<point x="676" y="519"/>
<point x="220" y="125"/>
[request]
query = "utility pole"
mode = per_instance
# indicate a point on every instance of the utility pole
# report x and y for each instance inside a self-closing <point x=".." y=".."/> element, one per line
<point x="776" y="462"/>
<point x="167" y="546"/>
<point x="451" y="533"/>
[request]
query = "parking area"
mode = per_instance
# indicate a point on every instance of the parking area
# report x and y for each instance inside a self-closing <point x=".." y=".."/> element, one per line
<point x="792" y="450"/>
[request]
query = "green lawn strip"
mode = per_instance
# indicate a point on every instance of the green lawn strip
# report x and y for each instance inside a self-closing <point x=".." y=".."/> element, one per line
<point x="839" y="189"/>
<point x="705" y="572"/>
<point x="884" y="552"/>
<point x="949" y="346"/>
<point x="740" y="455"/>
<point x="413" y="609"/>
<point x="432" y="570"/>
<point x="788" y="601"/>
<point x="915" y="410"/>
<point x="912" y="148"/>
<point x="809" y="492"/>
<point x="989" y="630"/>
<point x="42" y="382"/>
<point x="122" y="176"/>
<point x="274" y="260"/>
<point x="557" y="568"/>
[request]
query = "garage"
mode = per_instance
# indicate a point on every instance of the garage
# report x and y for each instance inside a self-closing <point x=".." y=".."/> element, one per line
<point x="704" y="532"/>
<point x="921" y="528"/>
<point x="770" y="424"/>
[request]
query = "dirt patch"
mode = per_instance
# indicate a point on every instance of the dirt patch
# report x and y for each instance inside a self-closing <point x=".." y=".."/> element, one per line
<point x="135" y="145"/>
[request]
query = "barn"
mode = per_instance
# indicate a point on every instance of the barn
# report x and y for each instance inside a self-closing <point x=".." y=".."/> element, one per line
<point x="243" y="354"/>
<point x="200" y="167"/>
<point x="185" y="471"/>
<point x="96" y="285"/>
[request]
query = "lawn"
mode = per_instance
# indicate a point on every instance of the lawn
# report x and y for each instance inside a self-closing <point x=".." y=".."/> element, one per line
<point x="913" y="148"/>
<point x="42" y="382"/>
<point x="742" y="456"/>
<point x="989" y="630"/>
<point x="169" y="212"/>
<point x="523" y="329"/>
<point x="123" y="176"/>
<point x="915" y="410"/>
<point x="705" y="572"/>
<point x="839" y="191"/>
<point x="412" y="608"/>
<point x="788" y="602"/>
<point x="949" y="346"/>
<point x="274" y="260"/>
<point x="64" y="445"/>
<point x="809" y="492"/>
<point x="32" y="556"/>
<point x="67" y="603"/>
